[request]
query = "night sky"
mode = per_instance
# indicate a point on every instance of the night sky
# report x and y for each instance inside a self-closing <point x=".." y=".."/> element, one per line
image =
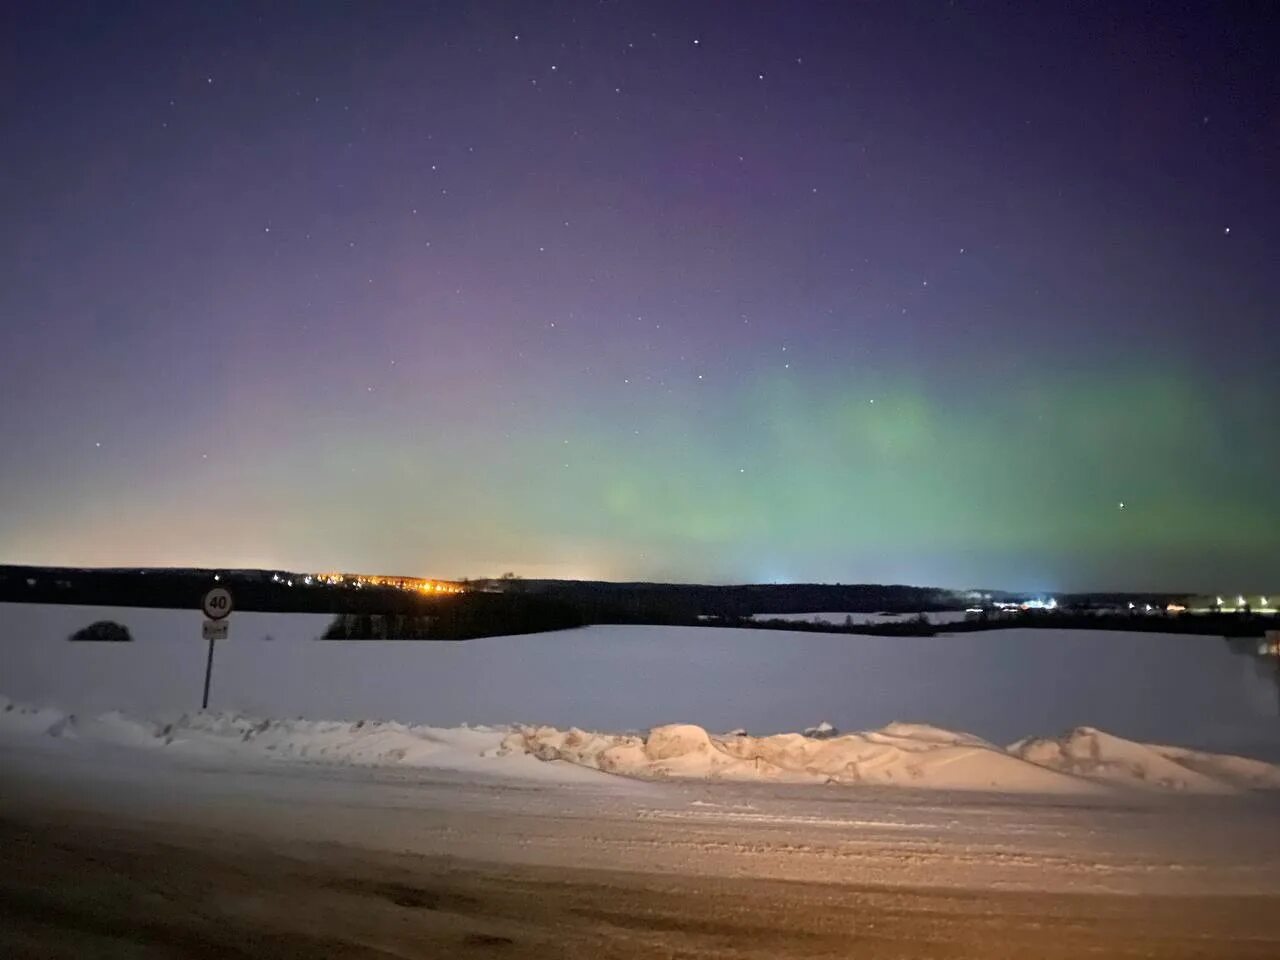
<point x="966" y="294"/>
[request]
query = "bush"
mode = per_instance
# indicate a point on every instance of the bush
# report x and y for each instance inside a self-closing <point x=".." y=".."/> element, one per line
<point x="104" y="631"/>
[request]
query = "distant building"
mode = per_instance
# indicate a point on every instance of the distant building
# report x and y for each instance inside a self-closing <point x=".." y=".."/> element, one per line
<point x="1264" y="604"/>
<point x="415" y="584"/>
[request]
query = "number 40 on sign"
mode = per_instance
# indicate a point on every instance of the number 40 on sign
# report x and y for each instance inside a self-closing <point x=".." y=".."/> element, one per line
<point x="217" y="607"/>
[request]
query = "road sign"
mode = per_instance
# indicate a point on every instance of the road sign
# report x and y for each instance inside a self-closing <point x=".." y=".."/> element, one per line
<point x="217" y="607"/>
<point x="217" y="603"/>
<point x="215" y="630"/>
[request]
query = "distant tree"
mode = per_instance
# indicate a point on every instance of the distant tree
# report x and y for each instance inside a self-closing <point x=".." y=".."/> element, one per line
<point x="103" y="631"/>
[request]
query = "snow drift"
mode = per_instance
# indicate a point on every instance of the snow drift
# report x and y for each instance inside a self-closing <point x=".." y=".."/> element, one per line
<point x="901" y="754"/>
<point x="914" y="755"/>
<point x="232" y="737"/>
<point x="1096" y="755"/>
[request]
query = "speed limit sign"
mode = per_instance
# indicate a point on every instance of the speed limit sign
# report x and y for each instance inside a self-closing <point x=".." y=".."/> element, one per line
<point x="217" y="603"/>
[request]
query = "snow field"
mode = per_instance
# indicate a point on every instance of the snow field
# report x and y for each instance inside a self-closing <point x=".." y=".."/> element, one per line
<point x="919" y="756"/>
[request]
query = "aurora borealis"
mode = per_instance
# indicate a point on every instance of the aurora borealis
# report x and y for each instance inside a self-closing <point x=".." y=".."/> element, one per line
<point x="964" y="294"/>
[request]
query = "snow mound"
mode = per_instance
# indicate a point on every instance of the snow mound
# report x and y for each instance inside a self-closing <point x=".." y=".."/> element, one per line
<point x="21" y="719"/>
<point x="1097" y="755"/>
<point x="1084" y="760"/>
<point x="238" y="737"/>
<point x="905" y="754"/>
<point x="901" y="754"/>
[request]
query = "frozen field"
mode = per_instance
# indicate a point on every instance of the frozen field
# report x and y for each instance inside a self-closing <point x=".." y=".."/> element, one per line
<point x="130" y="824"/>
<point x="998" y="685"/>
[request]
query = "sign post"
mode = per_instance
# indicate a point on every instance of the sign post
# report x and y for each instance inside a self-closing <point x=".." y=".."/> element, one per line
<point x="217" y="608"/>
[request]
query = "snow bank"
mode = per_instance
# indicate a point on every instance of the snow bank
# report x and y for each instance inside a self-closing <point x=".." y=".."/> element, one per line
<point x="899" y="754"/>
<point x="18" y="718"/>
<point x="1085" y="760"/>
<point x="235" y="736"/>
<point x="1086" y="752"/>
<point x="916" y="755"/>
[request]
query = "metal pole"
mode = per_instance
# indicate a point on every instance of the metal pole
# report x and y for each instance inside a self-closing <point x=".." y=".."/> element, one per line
<point x="208" y="670"/>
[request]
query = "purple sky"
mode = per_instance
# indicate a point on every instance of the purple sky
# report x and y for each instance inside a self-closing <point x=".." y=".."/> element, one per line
<point x="917" y="292"/>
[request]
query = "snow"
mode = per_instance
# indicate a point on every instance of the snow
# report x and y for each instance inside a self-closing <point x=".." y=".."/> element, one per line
<point x="920" y="756"/>
<point x="939" y="617"/>
<point x="903" y="754"/>
<point x="1097" y="755"/>
<point x="897" y="755"/>
<point x="1000" y="685"/>
<point x="238" y="738"/>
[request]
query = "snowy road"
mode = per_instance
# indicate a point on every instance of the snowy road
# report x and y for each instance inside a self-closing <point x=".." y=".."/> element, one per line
<point x="1132" y="844"/>
<point x="200" y="858"/>
<point x="136" y="855"/>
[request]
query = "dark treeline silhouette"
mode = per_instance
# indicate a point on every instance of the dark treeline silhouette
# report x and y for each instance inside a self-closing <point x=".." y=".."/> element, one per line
<point x="364" y="612"/>
<point x="464" y="617"/>
<point x="605" y="602"/>
<point x="184" y="588"/>
<point x="511" y="605"/>
<point x="1231" y="625"/>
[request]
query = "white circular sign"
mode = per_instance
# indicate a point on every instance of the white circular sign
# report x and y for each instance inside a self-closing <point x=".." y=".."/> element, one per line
<point x="217" y="603"/>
